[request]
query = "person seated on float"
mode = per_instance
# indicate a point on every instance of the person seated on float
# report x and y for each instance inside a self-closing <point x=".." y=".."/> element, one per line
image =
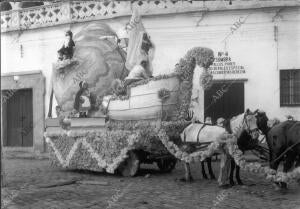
<point x="138" y="72"/>
<point x="221" y="122"/>
<point x="208" y="121"/>
<point x="67" y="49"/>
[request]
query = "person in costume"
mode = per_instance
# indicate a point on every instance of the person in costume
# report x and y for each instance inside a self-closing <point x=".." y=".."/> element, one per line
<point x="208" y="120"/>
<point x="82" y="100"/>
<point x="225" y="162"/>
<point x="220" y="122"/>
<point x="67" y="49"/>
<point x="139" y="72"/>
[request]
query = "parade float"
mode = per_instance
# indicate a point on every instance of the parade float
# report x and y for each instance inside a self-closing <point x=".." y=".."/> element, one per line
<point x="125" y="126"/>
<point x="119" y="133"/>
<point x="125" y="133"/>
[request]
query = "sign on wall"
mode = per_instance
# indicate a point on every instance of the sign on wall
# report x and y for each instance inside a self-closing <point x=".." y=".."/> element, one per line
<point x="224" y="64"/>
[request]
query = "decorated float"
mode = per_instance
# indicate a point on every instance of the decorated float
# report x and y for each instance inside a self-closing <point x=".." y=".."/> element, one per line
<point x="128" y="134"/>
<point x="101" y="126"/>
<point x="120" y="127"/>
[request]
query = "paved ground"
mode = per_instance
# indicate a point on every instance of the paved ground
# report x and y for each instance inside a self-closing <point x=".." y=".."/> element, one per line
<point x="157" y="191"/>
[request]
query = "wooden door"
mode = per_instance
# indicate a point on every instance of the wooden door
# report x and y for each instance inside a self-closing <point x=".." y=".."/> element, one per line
<point x="224" y="100"/>
<point x="19" y="119"/>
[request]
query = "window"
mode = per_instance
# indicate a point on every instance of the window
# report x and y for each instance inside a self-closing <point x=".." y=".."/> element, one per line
<point x="289" y="87"/>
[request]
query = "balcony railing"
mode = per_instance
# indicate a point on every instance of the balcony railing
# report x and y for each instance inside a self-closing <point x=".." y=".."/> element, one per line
<point x="78" y="11"/>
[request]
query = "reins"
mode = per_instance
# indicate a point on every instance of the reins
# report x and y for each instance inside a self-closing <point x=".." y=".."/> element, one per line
<point x="288" y="149"/>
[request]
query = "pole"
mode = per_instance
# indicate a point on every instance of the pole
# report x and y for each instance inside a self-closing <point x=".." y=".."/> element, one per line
<point x="3" y="178"/>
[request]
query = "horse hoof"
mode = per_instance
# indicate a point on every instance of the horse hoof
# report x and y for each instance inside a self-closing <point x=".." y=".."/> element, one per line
<point x="225" y="186"/>
<point x="190" y="179"/>
<point x="186" y="179"/>
<point x="240" y="183"/>
<point x="276" y="188"/>
<point x="283" y="185"/>
<point x="182" y="179"/>
<point x="232" y="183"/>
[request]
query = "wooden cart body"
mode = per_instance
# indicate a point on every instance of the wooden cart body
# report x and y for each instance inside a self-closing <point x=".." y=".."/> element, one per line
<point x="74" y="149"/>
<point x="144" y="102"/>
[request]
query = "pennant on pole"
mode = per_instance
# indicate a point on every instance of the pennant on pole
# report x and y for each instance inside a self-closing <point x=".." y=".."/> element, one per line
<point x="135" y="53"/>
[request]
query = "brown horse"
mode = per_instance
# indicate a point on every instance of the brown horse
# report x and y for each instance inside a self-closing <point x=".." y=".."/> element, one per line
<point x="293" y="135"/>
<point x="284" y="144"/>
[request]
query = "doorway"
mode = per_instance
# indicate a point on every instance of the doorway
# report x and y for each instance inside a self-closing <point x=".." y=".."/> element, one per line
<point x="224" y="99"/>
<point x="19" y="118"/>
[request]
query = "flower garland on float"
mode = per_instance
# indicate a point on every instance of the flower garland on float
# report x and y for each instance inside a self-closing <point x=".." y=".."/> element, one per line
<point x="92" y="141"/>
<point x="229" y="141"/>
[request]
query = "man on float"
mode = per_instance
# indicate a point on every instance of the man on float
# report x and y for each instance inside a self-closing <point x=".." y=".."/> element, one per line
<point x="138" y="72"/>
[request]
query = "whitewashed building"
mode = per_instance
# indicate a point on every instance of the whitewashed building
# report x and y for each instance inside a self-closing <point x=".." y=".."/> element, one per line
<point x="256" y="45"/>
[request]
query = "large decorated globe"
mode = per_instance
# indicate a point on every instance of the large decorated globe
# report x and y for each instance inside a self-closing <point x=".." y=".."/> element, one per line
<point x="97" y="60"/>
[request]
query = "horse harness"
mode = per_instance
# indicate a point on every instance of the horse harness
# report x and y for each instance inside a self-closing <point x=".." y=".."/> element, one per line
<point x="227" y="128"/>
<point x="247" y="125"/>
<point x="286" y="150"/>
<point x="198" y="134"/>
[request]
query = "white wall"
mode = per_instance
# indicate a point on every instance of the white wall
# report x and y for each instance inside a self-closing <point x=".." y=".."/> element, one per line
<point x="252" y="45"/>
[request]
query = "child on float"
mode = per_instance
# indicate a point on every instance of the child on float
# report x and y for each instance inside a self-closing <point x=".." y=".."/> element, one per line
<point x="67" y="49"/>
<point x="82" y="100"/>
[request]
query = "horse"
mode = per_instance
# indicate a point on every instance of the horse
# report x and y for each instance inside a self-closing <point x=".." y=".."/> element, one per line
<point x="245" y="143"/>
<point x="284" y="144"/>
<point x="202" y="133"/>
<point x="293" y="135"/>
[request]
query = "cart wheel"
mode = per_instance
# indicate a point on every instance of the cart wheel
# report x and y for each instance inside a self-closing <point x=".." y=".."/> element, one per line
<point x="130" y="166"/>
<point x="166" y="165"/>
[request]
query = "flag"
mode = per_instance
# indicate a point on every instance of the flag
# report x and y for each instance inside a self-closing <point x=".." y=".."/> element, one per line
<point x="134" y="52"/>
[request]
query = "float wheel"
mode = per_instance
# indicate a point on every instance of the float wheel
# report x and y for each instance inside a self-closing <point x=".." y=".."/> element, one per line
<point x="130" y="166"/>
<point x="166" y="165"/>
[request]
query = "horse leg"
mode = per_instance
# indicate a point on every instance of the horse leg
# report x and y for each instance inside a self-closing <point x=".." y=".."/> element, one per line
<point x="232" y="167"/>
<point x="211" y="173"/>
<point x="289" y="161"/>
<point x="274" y="166"/>
<point x="296" y="166"/>
<point x="203" y="170"/>
<point x="298" y="162"/>
<point x="237" y="175"/>
<point x="188" y="175"/>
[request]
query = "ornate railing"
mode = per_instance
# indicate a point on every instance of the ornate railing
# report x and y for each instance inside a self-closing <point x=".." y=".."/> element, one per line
<point x="78" y="11"/>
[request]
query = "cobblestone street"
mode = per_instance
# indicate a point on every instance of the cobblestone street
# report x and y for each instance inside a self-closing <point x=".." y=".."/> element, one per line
<point x="150" y="189"/>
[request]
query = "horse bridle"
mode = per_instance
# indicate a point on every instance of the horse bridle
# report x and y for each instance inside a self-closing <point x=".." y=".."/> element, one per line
<point x="248" y="130"/>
